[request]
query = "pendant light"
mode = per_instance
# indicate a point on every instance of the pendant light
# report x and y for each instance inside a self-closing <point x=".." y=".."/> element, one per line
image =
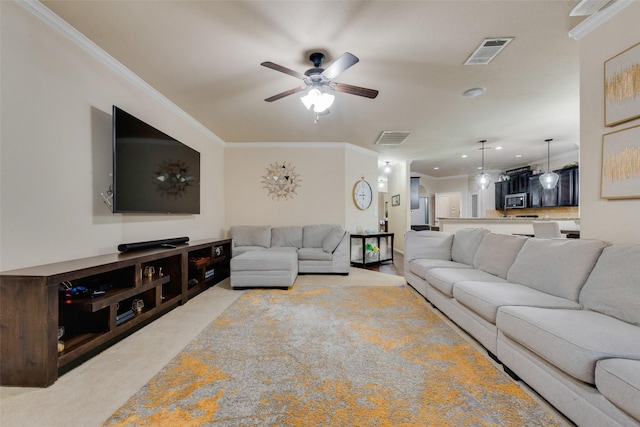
<point x="549" y="179"/>
<point x="483" y="179"/>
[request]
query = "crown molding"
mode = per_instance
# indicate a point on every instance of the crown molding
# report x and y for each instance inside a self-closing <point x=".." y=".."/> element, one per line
<point x="598" y="18"/>
<point x="61" y="26"/>
<point x="341" y="145"/>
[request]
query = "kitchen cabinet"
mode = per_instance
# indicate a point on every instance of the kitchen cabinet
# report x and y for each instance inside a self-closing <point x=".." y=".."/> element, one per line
<point x="501" y="190"/>
<point x="519" y="183"/>
<point x="568" y="187"/>
<point x="540" y="197"/>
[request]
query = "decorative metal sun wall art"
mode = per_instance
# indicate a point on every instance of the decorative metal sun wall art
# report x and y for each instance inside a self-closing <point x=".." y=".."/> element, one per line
<point x="281" y="180"/>
<point x="172" y="178"/>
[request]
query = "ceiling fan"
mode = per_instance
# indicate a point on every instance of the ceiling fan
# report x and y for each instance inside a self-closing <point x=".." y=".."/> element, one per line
<point x="319" y="78"/>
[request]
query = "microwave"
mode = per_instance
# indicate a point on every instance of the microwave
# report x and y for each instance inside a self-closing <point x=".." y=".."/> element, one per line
<point x="515" y="201"/>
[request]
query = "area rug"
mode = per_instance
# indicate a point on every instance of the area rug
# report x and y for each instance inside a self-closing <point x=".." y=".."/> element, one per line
<point x="330" y="356"/>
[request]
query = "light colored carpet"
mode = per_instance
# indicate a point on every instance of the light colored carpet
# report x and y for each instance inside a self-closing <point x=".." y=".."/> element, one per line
<point x="331" y="355"/>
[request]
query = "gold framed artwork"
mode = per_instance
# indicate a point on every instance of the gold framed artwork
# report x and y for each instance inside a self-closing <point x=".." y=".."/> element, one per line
<point x="621" y="164"/>
<point x="622" y="87"/>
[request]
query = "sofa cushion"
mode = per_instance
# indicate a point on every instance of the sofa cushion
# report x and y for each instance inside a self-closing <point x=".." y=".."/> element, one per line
<point x="572" y="340"/>
<point x="286" y="237"/>
<point x="556" y="266"/>
<point x="619" y="381"/>
<point x="443" y="279"/>
<point x="265" y="261"/>
<point x="485" y="298"/>
<point x="333" y="239"/>
<point x="251" y="235"/>
<point x="613" y="287"/>
<point x="497" y="252"/>
<point x="465" y="244"/>
<point x="419" y="267"/>
<point x="313" y="254"/>
<point x="427" y="245"/>
<point x="239" y="250"/>
<point x="313" y="235"/>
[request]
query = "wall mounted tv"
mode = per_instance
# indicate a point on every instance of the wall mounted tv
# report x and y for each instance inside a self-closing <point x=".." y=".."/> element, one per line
<point x="152" y="172"/>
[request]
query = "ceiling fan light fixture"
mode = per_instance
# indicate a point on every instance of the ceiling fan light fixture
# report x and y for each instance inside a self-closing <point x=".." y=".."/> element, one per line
<point x="319" y="100"/>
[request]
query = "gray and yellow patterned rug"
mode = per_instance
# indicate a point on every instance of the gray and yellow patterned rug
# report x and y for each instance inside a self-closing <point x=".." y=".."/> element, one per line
<point x="330" y="356"/>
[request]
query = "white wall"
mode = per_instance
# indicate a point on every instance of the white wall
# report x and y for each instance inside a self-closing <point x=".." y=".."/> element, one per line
<point x="615" y="221"/>
<point x="399" y="216"/>
<point x="56" y="149"/>
<point x="327" y="172"/>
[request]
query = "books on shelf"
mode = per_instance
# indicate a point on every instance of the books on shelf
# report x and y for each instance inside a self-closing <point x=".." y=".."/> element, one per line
<point x="123" y="317"/>
<point x="209" y="274"/>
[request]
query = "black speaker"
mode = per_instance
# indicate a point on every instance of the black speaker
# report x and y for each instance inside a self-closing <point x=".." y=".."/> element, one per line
<point x="167" y="243"/>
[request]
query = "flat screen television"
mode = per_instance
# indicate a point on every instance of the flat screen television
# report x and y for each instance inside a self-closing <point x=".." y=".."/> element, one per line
<point x="152" y="172"/>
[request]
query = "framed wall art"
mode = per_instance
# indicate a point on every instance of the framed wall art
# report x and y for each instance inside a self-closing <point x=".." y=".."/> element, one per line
<point x="622" y="87"/>
<point x="395" y="200"/>
<point x="621" y="164"/>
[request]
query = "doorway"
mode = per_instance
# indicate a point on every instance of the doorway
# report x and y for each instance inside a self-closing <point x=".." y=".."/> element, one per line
<point x="448" y="205"/>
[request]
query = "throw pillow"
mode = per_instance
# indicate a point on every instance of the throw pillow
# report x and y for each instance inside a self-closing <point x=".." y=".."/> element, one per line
<point x="333" y="239"/>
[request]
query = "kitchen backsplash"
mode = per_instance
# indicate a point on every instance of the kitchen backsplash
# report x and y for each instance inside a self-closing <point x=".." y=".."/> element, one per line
<point x="559" y="212"/>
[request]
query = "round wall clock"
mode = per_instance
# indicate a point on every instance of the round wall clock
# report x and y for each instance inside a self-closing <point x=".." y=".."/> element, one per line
<point x="362" y="194"/>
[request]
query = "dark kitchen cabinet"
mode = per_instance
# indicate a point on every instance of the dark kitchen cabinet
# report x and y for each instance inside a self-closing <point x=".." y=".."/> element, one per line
<point x="519" y="183"/>
<point x="568" y="187"/>
<point x="501" y="190"/>
<point x="540" y="197"/>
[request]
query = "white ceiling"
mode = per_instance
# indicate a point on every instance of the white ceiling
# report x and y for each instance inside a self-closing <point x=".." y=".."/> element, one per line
<point x="205" y="56"/>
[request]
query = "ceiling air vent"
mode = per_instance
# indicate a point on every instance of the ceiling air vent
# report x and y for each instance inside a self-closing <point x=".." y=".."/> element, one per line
<point x="487" y="50"/>
<point x="393" y="137"/>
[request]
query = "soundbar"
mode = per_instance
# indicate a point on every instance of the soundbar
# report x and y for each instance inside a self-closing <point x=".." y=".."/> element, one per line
<point x="166" y="243"/>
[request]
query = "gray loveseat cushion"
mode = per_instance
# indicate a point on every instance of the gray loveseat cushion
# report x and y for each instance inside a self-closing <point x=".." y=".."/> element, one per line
<point x="419" y="267"/>
<point x="443" y="279"/>
<point x="619" y="381"/>
<point x="282" y="237"/>
<point x="251" y="235"/>
<point x="465" y="244"/>
<point x="497" y="252"/>
<point x="556" y="266"/>
<point x="485" y="298"/>
<point x="427" y="244"/>
<point x="313" y="235"/>
<point x="333" y="239"/>
<point x="613" y="287"/>
<point x="572" y="340"/>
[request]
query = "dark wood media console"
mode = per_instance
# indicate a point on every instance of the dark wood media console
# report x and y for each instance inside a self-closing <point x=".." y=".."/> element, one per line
<point x="33" y="307"/>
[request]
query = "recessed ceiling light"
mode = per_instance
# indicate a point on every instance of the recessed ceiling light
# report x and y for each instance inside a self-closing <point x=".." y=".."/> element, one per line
<point x="518" y="156"/>
<point x="479" y="168"/>
<point x="436" y="168"/>
<point x="476" y="91"/>
<point x="464" y="156"/>
<point x="498" y="148"/>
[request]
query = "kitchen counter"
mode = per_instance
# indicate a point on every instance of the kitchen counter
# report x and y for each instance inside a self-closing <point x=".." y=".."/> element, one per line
<point x="508" y="225"/>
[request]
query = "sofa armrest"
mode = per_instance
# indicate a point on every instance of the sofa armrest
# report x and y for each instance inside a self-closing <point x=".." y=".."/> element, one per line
<point x="341" y="257"/>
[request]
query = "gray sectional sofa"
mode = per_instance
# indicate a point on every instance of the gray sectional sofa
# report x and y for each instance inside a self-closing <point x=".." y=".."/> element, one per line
<point x="265" y="256"/>
<point x="561" y="314"/>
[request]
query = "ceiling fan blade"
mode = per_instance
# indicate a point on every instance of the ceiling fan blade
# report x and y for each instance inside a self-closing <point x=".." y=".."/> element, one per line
<point x="282" y="69"/>
<point x="339" y="65"/>
<point x="285" y="93"/>
<point x="354" y="90"/>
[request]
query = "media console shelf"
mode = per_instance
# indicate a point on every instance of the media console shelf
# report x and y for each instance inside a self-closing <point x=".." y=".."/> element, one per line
<point x="134" y="289"/>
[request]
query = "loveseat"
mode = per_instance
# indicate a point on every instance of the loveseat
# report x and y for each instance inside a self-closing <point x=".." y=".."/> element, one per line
<point x="563" y="315"/>
<point x="319" y="248"/>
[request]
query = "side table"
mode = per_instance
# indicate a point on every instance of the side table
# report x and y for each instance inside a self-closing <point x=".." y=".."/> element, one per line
<point x="371" y="248"/>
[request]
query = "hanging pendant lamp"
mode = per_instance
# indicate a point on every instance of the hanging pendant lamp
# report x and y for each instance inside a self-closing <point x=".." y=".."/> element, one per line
<point x="549" y="179"/>
<point x="483" y="179"/>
